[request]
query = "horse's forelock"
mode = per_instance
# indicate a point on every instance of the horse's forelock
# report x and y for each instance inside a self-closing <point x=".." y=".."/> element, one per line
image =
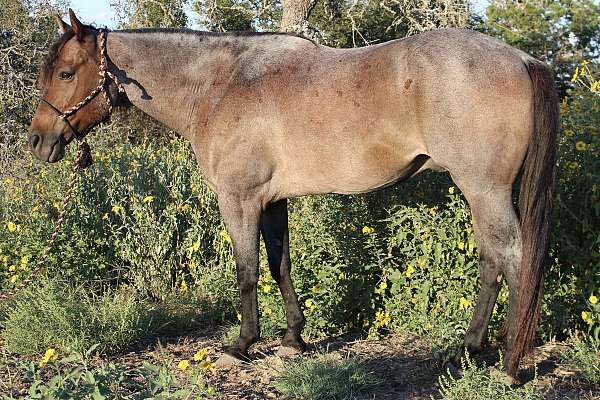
<point x="49" y="61"/>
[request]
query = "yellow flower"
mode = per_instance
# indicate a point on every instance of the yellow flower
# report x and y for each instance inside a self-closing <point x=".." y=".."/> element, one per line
<point x="580" y="146"/>
<point x="585" y="315"/>
<point x="148" y="199"/>
<point x="183" y="289"/>
<point x="200" y="354"/>
<point x="24" y="262"/>
<point x="116" y="209"/>
<point x="573" y="165"/>
<point x="451" y="190"/>
<point x="367" y="230"/>
<point x="195" y="246"/>
<point x="383" y="285"/>
<point x="105" y="216"/>
<point x="12" y="268"/>
<point x="11" y="226"/>
<point x="239" y="316"/>
<point x="183" y="365"/>
<point x="268" y="311"/>
<point x="593" y="299"/>
<point x="463" y="303"/>
<point x="225" y="235"/>
<point x="207" y="366"/>
<point x="14" y="278"/>
<point x="267" y="288"/>
<point x="575" y="75"/>
<point x="210" y="390"/>
<point x="595" y="87"/>
<point x="310" y="304"/>
<point x="49" y="355"/>
<point x="409" y="271"/>
<point x="382" y="318"/>
<point x="185" y="207"/>
<point x="461" y="245"/>
<point x="433" y="210"/>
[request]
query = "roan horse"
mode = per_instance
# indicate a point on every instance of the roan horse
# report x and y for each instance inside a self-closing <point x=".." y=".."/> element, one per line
<point x="273" y="116"/>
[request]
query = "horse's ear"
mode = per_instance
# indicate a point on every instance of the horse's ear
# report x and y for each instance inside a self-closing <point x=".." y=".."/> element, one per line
<point x="77" y="26"/>
<point x="62" y="25"/>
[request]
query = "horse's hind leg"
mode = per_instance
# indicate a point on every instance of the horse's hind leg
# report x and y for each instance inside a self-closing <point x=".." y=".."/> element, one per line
<point x="498" y="237"/>
<point x="274" y="228"/>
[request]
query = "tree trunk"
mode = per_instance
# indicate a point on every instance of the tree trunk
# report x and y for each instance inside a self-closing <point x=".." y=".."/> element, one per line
<point x="295" y="15"/>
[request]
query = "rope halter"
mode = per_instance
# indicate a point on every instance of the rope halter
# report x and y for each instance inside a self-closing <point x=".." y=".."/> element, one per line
<point x="105" y="75"/>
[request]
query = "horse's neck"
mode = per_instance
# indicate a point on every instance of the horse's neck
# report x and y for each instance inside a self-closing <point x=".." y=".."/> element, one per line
<point x="172" y="76"/>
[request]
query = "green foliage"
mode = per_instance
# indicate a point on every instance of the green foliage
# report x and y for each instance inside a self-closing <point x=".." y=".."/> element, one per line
<point x="324" y="377"/>
<point x="74" y="377"/>
<point x="481" y="383"/>
<point x="559" y="32"/>
<point x="584" y="354"/>
<point x="576" y="251"/>
<point x="151" y="13"/>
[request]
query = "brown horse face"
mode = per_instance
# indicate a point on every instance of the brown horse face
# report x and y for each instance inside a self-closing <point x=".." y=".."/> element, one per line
<point x="68" y="75"/>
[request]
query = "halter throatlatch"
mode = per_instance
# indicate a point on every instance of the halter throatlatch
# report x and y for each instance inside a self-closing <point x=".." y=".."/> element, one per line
<point x="105" y="75"/>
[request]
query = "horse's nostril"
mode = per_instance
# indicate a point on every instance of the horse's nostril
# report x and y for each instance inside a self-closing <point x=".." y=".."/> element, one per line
<point x="34" y="140"/>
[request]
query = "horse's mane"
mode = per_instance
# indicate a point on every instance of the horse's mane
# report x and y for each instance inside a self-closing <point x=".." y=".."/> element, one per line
<point x="49" y="61"/>
<point x="213" y="34"/>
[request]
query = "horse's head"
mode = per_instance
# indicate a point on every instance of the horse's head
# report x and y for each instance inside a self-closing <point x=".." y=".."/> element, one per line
<point x="71" y="88"/>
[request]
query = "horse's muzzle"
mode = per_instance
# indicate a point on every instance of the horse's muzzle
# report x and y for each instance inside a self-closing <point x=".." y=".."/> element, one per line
<point x="46" y="147"/>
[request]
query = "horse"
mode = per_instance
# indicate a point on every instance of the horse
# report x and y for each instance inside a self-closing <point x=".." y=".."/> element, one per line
<point x="271" y="116"/>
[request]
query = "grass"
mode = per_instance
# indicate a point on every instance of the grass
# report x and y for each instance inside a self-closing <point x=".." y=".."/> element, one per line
<point x="325" y="378"/>
<point x="480" y="383"/>
<point x="584" y="354"/>
<point x="73" y="319"/>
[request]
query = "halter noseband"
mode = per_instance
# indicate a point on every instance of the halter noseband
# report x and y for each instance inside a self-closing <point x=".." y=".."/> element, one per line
<point x="105" y="74"/>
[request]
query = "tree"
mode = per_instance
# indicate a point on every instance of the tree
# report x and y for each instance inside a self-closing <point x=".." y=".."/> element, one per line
<point x="151" y="13"/>
<point x="560" y="32"/>
<point x="27" y="28"/>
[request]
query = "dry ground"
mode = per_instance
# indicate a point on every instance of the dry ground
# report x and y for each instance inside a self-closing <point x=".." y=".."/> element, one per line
<point x="406" y="367"/>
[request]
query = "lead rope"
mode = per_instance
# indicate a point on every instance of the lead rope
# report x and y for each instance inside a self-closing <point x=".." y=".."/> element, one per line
<point x="82" y="149"/>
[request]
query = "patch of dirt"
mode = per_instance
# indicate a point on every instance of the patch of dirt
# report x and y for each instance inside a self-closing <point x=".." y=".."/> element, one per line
<point x="406" y="367"/>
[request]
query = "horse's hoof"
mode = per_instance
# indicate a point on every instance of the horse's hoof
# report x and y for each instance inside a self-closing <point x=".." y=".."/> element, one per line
<point x="504" y="377"/>
<point x="453" y="369"/>
<point x="296" y="344"/>
<point x="286" y="351"/>
<point x="227" y="361"/>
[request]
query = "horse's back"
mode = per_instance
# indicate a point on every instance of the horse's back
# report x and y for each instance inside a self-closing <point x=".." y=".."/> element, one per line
<point x="345" y="121"/>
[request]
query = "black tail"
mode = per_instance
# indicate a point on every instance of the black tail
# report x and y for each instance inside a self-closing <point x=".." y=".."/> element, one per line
<point x="535" y="209"/>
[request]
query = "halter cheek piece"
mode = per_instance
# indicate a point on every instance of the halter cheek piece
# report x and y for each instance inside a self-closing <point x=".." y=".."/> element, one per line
<point x="105" y="75"/>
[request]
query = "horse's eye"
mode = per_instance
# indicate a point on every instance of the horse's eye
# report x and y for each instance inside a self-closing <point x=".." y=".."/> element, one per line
<point x="65" y="76"/>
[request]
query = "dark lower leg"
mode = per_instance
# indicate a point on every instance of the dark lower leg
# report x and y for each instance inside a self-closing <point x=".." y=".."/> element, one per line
<point x="476" y="335"/>
<point x="274" y="228"/>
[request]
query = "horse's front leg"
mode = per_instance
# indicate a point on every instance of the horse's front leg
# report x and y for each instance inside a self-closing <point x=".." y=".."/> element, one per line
<point x="242" y="218"/>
